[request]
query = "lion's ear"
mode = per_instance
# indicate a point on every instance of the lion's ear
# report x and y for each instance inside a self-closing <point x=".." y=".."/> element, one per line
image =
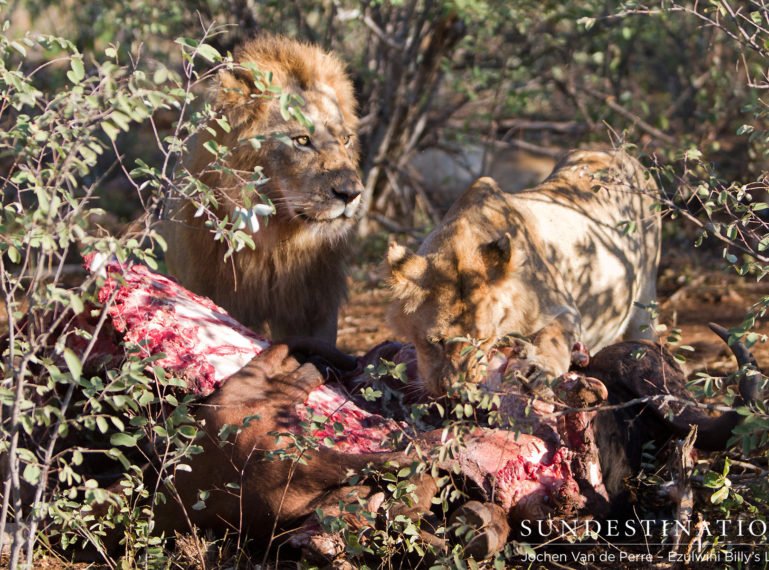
<point x="407" y="271"/>
<point x="502" y="255"/>
<point x="235" y="94"/>
<point x="234" y="86"/>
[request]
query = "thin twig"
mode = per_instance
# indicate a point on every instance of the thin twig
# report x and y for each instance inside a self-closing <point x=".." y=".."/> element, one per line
<point x="616" y="107"/>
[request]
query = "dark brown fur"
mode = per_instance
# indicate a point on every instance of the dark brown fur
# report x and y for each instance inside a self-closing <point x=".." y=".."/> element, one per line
<point x="276" y="495"/>
<point x="626" y="375"/>
<point x="272" y="492"/>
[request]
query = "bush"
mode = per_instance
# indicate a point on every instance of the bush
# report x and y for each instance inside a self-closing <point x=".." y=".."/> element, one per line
<point x="69" y="422"/>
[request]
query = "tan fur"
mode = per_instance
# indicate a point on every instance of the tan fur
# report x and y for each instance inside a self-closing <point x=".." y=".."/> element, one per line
<point x="549" y="263"/>
<point x="294" y="281"/>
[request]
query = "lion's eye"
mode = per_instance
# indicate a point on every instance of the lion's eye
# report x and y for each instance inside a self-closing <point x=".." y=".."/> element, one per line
<point x="302" y="140"/>
<point x="346" y="140"/>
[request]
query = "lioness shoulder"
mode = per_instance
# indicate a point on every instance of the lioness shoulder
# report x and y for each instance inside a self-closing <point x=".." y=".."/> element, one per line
<point x="294" y="280"/>
<point x="562" y="262"/>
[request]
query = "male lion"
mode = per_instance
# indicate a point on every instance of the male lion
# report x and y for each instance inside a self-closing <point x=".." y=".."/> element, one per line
<point x="554" y="263"/>
<point x="294" y="280"/>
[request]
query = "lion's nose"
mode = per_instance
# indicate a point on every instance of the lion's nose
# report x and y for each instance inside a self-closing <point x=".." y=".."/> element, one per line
<point x="346" y="194"/>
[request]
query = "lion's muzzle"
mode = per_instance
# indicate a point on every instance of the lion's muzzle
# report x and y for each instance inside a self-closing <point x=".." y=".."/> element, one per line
<point x="457" y="362"/>
<point x="346" y="188"/>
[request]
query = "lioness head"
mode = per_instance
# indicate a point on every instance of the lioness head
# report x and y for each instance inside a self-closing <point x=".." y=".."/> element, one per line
<point x="312" y="171"/>
<point x="460" y="285"/>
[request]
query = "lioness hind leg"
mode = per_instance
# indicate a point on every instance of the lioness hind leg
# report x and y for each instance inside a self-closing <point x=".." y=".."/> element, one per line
<point x="643" y="321"/>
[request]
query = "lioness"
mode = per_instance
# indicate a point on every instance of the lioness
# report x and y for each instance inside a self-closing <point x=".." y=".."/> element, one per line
<point x="553" y="263"/>
<point x="294" y="280"/>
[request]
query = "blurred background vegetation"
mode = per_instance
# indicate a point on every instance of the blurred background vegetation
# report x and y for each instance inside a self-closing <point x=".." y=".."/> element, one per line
<point x="466" y="82"/>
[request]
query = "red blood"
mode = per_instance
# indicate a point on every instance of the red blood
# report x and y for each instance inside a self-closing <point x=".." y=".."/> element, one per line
<point x="200" y="341"/>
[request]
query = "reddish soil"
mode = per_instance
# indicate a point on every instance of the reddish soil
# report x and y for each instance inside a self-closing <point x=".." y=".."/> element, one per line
<point x="693" y="291"/>
<point x="363" y="319"/>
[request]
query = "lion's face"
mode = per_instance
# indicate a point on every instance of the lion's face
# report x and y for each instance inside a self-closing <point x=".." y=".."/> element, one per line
<point x="312" y="171"/>
<point x="314" y="174"/>
<point x="463" y="290"/>
<point x="293" y="279"/>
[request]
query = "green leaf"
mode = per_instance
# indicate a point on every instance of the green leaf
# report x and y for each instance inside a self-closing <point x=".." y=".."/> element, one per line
<point x="693" y="154"/>
<point x="18" y="48"/>
<point x="720" y="495"/>
<point x="101" y="424"/>
<point x="283" y="138"/>
<point x="187" y="42"/>
<point x="111" y="130"/>
<point x="136" y="421"/>
<point x="14" y="255"/>
<point x="188" y="431"/>
<point x="160" y="76"/>
<point x="122" y="439"/>
<point x="121" y="120"/>
<point x="77" y="73"/>
<point x="212" y="147"/>
<point x="712" y="480"/>
<point x="285" y="110"/>
<point x="223" y="124"/>
<point x="32" y="474"/>
<point x="73" y="363"/>
<point x="209" y="53"/>
<point x="76" y="303"/>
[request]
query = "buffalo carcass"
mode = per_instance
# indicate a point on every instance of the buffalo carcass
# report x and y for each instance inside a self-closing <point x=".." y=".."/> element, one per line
<point x="552" y="470"/>
<point x="527" y="476"/>
<point x="608" y="446"/>
<point x="633" y="370"/>
<point x="260" y="483"/>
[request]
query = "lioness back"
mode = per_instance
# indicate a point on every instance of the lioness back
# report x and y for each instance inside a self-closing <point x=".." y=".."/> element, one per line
<point x="562" y="262"/>
<point x="294" y="280"/>
<point x="596" y="219"/>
